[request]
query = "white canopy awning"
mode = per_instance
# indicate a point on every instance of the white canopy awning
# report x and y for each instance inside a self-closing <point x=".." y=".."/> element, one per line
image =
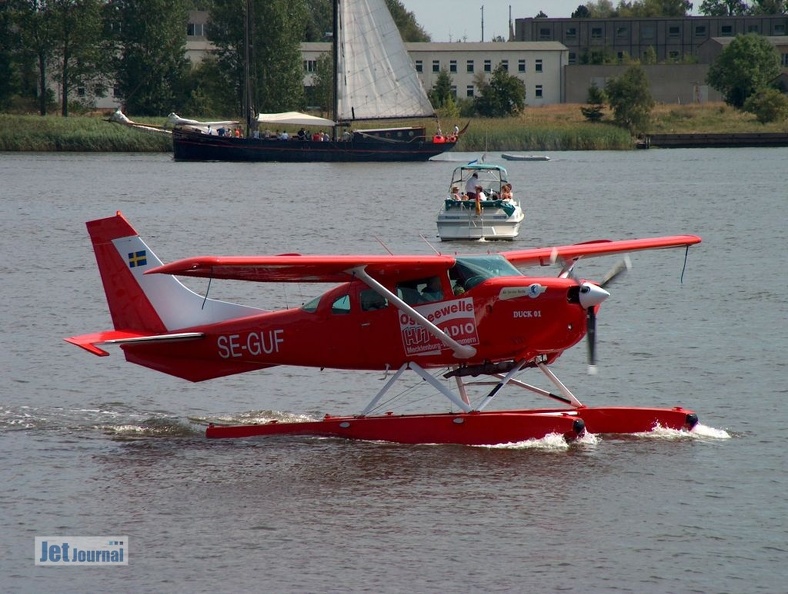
<point x="294" y="118"/>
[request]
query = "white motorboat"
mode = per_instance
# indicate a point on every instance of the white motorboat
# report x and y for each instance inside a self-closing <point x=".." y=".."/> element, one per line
<point x="465" y="216"/>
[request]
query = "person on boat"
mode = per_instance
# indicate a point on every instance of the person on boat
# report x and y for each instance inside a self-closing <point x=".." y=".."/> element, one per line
<point x="284" y="135"/>
<point x="506" y="192"/>
<point x="470" y="186"/>
<point x="455" y="193"/>
<point x="480" y="195"/>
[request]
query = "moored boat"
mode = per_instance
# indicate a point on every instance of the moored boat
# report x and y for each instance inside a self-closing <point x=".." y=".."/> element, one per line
<point x="494" y="213"/>
<point x="374" y="80"/>
<point x="518" y="157"/>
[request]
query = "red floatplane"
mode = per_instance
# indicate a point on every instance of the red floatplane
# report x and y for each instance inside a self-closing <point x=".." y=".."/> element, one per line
<point x="472" y="316"/>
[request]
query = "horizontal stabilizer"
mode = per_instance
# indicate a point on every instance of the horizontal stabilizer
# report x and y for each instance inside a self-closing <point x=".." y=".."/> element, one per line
<point x="89" y="341"/>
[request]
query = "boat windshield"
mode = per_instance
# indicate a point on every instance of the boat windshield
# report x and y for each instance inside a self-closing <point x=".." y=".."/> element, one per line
<point x="471" y="270"/>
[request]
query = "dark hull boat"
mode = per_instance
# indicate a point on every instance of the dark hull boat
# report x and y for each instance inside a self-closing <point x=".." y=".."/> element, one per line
<point x="374" y="81"/>
<point x="364" y="146"/>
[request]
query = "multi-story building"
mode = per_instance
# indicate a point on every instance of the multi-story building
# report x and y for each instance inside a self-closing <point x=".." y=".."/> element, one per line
<point x="674" y="39"/>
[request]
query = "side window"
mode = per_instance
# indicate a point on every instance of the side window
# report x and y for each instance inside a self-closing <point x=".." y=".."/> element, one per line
<point x="371" y="300"/>
<point x="341" y="305"/>
<point x="425" y="290"/>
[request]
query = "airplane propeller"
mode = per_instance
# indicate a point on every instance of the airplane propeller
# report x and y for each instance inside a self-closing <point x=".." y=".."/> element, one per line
<point x="594" y="295"/>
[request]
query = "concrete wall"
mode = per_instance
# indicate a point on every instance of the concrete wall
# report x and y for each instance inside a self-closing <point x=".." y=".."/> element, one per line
<point x="669" y="83"/>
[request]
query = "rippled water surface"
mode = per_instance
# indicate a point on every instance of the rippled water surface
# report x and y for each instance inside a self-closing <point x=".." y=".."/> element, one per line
<point x="95" y="446"/>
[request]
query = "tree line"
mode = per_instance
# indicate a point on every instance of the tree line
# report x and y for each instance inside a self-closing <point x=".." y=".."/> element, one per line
<point x="138" y="48"/>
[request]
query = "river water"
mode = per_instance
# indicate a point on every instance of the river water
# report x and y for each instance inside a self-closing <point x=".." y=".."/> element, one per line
<point x="94" y="446"/>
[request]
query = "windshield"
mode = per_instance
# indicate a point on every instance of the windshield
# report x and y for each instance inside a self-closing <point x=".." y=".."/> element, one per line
<point x="479" y="268"/>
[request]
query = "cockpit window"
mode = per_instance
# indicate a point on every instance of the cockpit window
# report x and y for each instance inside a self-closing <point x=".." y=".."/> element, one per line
<point x="341" y="305"/>
<point x="312" y="306"/>
<point x="469" y="271"/>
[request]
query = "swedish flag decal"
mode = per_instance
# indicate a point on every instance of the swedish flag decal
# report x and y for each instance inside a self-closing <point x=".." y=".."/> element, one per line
<point x="138" y="259"/>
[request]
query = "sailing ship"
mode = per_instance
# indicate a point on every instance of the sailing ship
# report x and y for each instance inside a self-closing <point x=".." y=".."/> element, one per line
<point x="374" y="79"/>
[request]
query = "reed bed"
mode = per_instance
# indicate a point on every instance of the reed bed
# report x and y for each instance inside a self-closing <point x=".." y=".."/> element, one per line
<point x="78" y="134"/>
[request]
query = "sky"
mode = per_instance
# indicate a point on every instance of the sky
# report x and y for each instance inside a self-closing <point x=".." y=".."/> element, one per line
<point x="453" y="20"/>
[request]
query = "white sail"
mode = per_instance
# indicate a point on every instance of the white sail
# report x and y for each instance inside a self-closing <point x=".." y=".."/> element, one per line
<point x="376" y="79"/>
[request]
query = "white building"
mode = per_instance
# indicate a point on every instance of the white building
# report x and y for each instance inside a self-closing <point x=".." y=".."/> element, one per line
<point x="538" y="64"/>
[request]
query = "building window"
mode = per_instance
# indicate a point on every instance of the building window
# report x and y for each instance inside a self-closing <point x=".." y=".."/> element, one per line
<point x="505" y="64"/>
<point x="620" y="56"/>
<point x="622" y="32"/>
<point x="469" y="91"/>
<point x="647" y="32"/>
<point x="520" y="65"/>
<point x="195" y="30"/>
<point x="572" y="58"/>
<point x="700" y="31"/>
<point x="436" y="65"/>
<point x="752" y="28"/>
<point x="779" y="30"/>
<point x="545" y="34"/>
<point x="674" y="31"/>
<point x="452" y="65"/>
<point x="538" y="65"/>
<point x="596" y="32"/>
<point x="538" y="91"/>
<point x="784" y="60"/>
<point x="673" y="56"/>
<point x="419" y="66"/>
<point x="488" y="66"/>
<point x="469" y="66"/>
<point x="310" y="65"/>
<point x="726" y="31"/>
<point x="571" y="33"/>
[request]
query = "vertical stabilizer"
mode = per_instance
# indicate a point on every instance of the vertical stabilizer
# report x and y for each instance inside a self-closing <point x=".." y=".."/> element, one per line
<point x="155" y="303"/>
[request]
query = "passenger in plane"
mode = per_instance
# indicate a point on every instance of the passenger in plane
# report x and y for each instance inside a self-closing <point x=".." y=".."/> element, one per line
<point x="433" y="291"/>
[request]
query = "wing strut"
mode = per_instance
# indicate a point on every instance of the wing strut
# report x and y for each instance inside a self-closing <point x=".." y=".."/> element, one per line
<point x="461" y="351"/>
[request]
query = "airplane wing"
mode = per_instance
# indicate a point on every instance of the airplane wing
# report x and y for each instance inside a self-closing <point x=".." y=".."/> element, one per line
<point x="306" y="268"/>
<point x="562" y="254"/>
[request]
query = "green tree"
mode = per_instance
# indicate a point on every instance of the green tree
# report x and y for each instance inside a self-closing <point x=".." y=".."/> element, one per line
<point x="34" y="20"/>
<point x="80" y="51"/>
<point x="655" y="8"/>
<point x="768" y="7"/>
<point x="276" y="71"/>
<point x="649" y="55"/>
<point x="10" y="50"/>
<point x="630" y="99"/>
<point x="409" y="29"/>
<point x="724" y="8"/>
<point x="440" y="93"/>
<point x="596" y="102"/>
<point x="150" y="63"/>
<point x="581" y="12"/>
<point x="768" y="105"/>
<point x="504" y="95"/>
<point x="744" y="67"/>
